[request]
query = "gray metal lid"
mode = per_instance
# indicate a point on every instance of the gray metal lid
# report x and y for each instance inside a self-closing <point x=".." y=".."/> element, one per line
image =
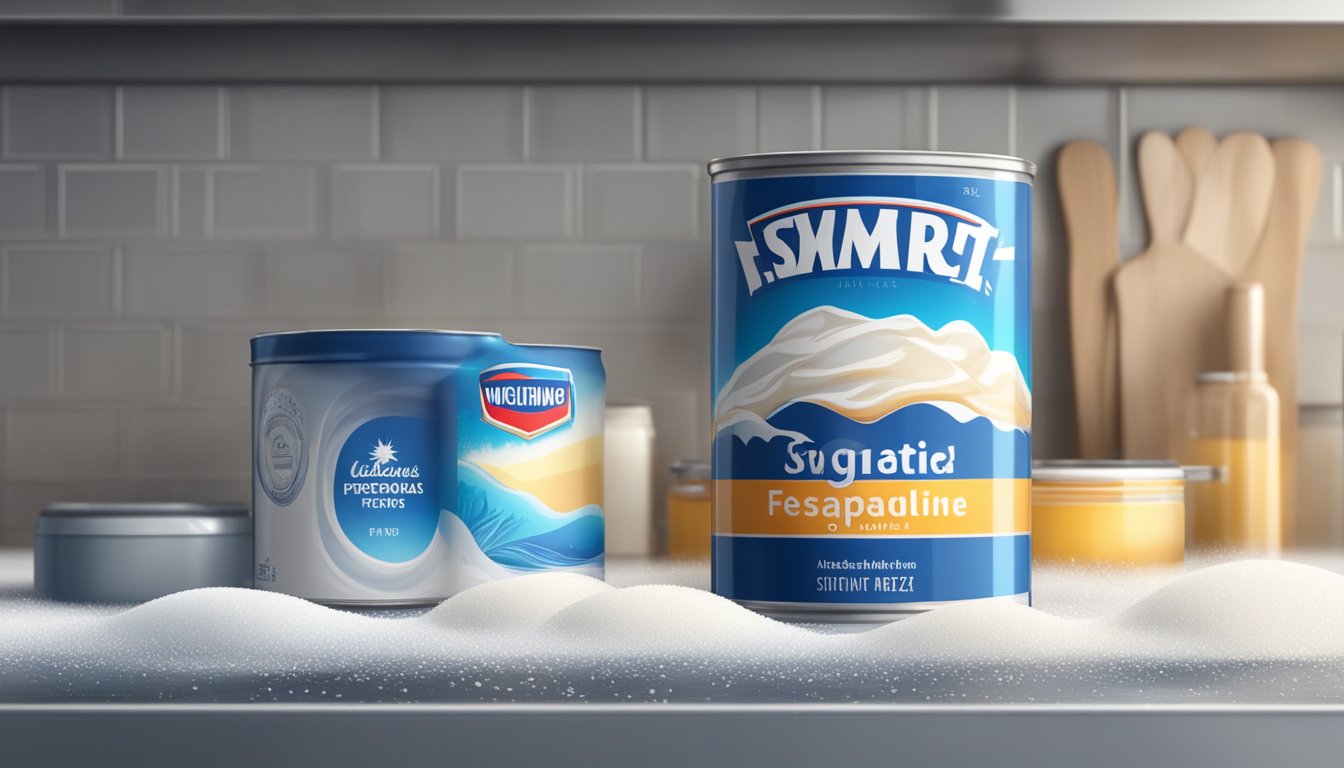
<point x="1086" y="470"/>
<point x="143" y="519"/>
<point x="813" y="160"/>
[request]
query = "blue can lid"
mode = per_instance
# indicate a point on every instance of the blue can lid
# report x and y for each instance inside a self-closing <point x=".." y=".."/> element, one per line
<point x="368" y="346"/>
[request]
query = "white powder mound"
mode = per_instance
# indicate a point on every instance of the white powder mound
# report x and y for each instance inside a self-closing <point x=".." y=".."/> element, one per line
<point x="1259" y="609"/>
<point x="561" y="636"/>
<point x="983" y="630"/>
<point x="516" y="604"/>
<point x="660" y="617"/>
<point x="223" y="623"/>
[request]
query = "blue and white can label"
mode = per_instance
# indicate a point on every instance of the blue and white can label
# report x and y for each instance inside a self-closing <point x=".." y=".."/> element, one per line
<point x="401" y="467"/>
<point x="872" y="382"/>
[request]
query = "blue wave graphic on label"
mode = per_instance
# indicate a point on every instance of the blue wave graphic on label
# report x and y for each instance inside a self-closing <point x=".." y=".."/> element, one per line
<point x="517" y="530"/>
<point x="385" y="491"/>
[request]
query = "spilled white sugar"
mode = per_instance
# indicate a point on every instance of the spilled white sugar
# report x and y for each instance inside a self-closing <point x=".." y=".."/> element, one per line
<point x="1244" y="611"/>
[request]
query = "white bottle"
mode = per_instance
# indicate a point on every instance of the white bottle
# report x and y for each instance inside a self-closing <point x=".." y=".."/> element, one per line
<point x="628" y="480"/>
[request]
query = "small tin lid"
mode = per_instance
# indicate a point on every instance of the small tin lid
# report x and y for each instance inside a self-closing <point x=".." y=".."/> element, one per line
<point x="368" y="345"/>
<point x="1087" y="470"/>
<point x="148" y="519"/>
<point x="836" y="160"/>
<point x="690" y="469"/>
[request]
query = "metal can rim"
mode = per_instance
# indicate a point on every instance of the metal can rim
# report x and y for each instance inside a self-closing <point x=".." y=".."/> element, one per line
<point x="143" y="519"/>
<point x="1084" y="470"/>
<point x="896" y="158"/>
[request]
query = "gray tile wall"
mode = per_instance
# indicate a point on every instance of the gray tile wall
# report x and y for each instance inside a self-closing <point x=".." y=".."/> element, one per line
<point x="147" y="232"/>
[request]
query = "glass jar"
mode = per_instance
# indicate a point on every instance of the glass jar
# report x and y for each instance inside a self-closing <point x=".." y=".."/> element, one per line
<point x="1233" y="426"/>
<point x="688" y="511"/>
<point x="1123" y="512"/>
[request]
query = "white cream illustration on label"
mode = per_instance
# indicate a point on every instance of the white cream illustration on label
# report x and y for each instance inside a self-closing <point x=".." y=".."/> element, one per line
<point x="865" y="369"/>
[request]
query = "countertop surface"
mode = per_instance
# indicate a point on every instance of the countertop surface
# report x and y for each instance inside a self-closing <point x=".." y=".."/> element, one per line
<point x="1210" y="633"/>
<point x="1216" y="663"/>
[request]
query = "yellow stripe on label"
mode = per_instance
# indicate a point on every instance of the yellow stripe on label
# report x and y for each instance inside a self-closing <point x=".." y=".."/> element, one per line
<point x="872" y="507"/>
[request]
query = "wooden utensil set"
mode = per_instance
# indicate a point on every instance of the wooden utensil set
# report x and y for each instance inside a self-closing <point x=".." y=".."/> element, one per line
<point x="1218" y="213"/>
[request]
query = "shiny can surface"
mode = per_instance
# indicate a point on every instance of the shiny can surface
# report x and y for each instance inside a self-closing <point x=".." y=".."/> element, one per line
<point x="872" y="381"/>
<point x="400" y="467"/>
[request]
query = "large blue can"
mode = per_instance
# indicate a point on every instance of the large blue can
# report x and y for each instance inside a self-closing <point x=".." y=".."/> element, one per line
<point x="400" y="467"/>
<point x="871" y="345"/>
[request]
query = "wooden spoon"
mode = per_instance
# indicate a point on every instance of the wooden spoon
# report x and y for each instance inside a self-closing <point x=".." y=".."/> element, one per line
<point x="1196" y="144"/>
<point x="1277" y="264"/>
<point x="1232" y="196"/>
<point x="1088" y="196"/>
<point x="1167" y="185"/>
<point x="1169" y="304"/>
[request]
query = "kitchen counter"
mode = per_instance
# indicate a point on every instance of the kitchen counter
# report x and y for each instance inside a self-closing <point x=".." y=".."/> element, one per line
<point x="327" y="695"/>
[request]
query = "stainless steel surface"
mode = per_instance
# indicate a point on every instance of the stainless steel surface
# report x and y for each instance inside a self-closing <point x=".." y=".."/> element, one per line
<point x="976" y="49"/>
<point x="651" y="736"/>
<point x="774" y="11"/>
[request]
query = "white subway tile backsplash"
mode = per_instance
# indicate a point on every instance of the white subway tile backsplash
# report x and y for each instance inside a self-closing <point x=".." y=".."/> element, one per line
<point x="579" y="281"/>
<point x="874" y="117"/>
<point x="237" y="491"/>
<point x="29" y="367"/>
<point x="451" y="281"/>
<point x="262" y="203"/>
<point x="1320" y="364"/>
<point x="191" y="201"/>
<point x="1322" y="280"/>
<point x="517" y="202"/>
<point x="788" y="118"/>
<point x="1047" y="119"/>
<point x="324" y="282"/>
<point x="975" y="119"/>
<point x="391" y="202"/>
<point x="113" y="201"/>
<point x="52" y="441"/>
<point x="641" y="203"/>
<point x="58" y="281"/>
<point x="698" y="122"/>
<point x="126" y="361"/>
<point x="191" y="282"/>
<point x="188" y="442"/>
<point x="573" y="213"/>
<point x="455" y="123"/>
<point x="57" y="122"/>
<point x="675" y="282"/>
<point x="583" y="123"/>
<point x="170" y="123"/>
<point x="214" y="361"/>
<point x="23" y="200"/>
<point x="303" y="122"/>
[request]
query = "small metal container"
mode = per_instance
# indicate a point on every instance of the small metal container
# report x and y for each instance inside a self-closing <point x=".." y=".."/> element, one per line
<point x="1120" y="512"/>
<point x="126" y="553"/>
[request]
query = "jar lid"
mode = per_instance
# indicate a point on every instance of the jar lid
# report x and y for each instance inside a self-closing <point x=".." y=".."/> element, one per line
<point x="143" y="519"/>
<point x="1098" y="470"/>
<point x="690" y="469"/>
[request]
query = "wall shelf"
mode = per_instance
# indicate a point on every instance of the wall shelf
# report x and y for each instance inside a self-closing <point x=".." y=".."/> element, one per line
<point x="1019" y="41"/>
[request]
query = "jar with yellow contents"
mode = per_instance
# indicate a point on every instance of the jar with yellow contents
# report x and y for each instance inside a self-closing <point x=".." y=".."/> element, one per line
<point x="1121" y="512"/>
<point x="688" y="511"/>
